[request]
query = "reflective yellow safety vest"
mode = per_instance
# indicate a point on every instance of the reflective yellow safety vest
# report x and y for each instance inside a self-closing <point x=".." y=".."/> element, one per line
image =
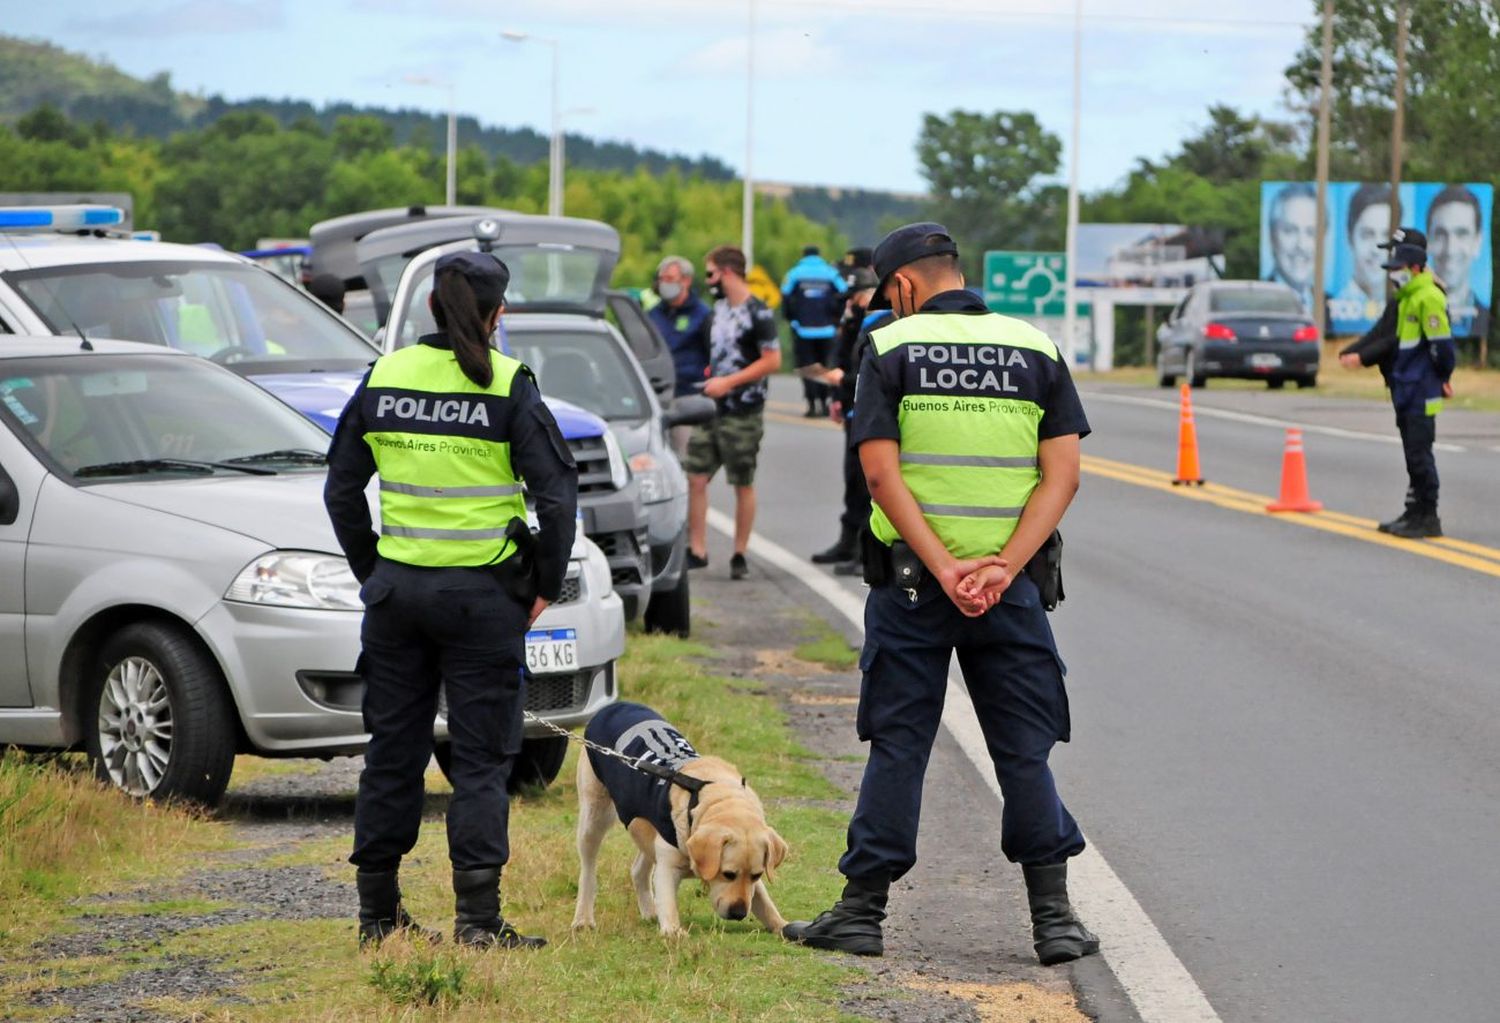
<point x="442" y="449"/>
<point x="973" y="391"/>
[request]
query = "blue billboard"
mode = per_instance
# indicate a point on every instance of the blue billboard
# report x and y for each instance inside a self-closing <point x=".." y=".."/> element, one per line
<point x="1455" y="218"/>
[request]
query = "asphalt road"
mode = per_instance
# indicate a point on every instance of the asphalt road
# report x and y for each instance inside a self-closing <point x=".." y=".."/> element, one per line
<point x="1286" y="738"/>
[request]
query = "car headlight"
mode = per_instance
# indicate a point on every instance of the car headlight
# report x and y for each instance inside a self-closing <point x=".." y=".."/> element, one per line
<point x="297" y="579"/>
<point x="652" y="476"/>
<point x="619" y="472"/>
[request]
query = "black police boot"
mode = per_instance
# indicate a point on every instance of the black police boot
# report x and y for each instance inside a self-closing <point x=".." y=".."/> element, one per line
<point x="477" y="921"/>
<point x="1400" y="521"/>
<point x="843" y="549"/>
<point x="1056" y="933"/>
<point x="381" y="913"/>
<point x="852" y="925"/>
<point x="1422" y="523"/>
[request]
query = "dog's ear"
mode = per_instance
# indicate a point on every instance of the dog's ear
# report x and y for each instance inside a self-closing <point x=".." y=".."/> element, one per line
<point x="706" y="848"/>
<point x="776" y="850"/>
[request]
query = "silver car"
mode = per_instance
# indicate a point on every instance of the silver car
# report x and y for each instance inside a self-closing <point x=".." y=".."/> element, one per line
<point x="171" y="592"/>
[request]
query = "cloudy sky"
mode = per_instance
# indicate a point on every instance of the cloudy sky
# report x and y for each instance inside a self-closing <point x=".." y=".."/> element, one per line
<point x="840" y="85"/>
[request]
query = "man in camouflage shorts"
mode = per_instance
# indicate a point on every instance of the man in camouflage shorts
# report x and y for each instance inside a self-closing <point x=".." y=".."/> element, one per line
<point x="744" y="350"/>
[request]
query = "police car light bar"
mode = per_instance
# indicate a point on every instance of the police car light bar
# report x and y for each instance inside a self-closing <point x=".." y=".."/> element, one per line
<point x="59" y="218"/>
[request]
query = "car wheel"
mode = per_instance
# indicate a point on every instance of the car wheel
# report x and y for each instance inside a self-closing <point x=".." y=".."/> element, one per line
<point x="536" y="766"/>
<point x="1309" y="381"/>
<point x="1163" y="378"/>
<point x="1275" y="383"/>
<point x="671" y="612"/>
<point x="1190" y="370"/>
<point x="160" y="720"/>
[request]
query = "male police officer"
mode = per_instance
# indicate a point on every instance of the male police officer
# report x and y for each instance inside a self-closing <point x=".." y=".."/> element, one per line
<point x="812" y="300"/>
<point x="1416" y="356"/>
<point x="968" y="428"/>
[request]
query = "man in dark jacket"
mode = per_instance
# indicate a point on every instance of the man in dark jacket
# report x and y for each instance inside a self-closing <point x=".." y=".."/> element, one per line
<point x="683" y="319"/>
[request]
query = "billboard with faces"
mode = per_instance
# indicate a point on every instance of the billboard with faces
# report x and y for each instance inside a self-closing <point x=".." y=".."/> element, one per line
<point x="1455" y="218"/>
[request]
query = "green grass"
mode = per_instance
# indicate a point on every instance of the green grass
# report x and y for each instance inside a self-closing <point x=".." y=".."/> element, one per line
<point x="735" y="972"/>
<point x="827" y="647"/>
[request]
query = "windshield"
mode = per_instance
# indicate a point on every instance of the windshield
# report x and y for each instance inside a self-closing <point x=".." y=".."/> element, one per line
<point x="1254" y="300"/>
<point x="225" y="311"/>
<point x="587" y="368"/>
<point x="538" y="274"/>
<point x="102" y="410"/>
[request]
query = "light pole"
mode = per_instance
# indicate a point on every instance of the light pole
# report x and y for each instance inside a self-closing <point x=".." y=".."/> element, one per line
<point x="555" y="151"/>
<point x="452" y="187"/>
<point x="747" y="241"/>
<point x="1070" y="316"/>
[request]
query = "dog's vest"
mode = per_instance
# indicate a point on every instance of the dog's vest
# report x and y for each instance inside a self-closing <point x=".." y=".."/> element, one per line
<point x="636" y="730"/>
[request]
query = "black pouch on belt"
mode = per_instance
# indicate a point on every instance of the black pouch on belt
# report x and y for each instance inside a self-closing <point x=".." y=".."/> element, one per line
<point x="876" y="558"/>
<point x="1045" y="569"/>
<point x="518" y="573"/>
<point x="907" y="570"/>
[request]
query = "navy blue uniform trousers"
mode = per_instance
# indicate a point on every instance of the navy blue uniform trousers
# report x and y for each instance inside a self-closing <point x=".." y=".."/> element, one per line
<point x="1418" y="433"/>
<point x="422" y="627"/>
<point x="1015" y="680"/>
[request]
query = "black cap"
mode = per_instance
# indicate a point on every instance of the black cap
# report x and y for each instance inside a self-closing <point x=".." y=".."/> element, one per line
<point x="907" y="245"/>
<point x="811" y="250"/>
<point x="860" y="278"/>
<point x="485" y="272"/>
<point x="860" y="255"/>
<point x="1405" y="254"/>
<point x="1405" y="236"/>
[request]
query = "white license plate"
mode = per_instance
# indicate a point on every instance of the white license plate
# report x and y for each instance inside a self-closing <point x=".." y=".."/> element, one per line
<point x="551" y="650"/>
<point x="1265" y="360"/>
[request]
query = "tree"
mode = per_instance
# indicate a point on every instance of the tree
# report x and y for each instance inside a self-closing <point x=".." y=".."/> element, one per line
<point x="987" y="176"/>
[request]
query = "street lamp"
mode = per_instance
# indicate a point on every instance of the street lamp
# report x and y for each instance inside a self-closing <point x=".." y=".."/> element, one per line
<point x="452" y="189"/>
<point x="747" y="241"/>
<point x="555" y="152"/>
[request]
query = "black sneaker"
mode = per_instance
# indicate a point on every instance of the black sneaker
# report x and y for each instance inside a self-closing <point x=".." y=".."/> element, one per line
<point x="737" y="567"/>
<point x="697" y="560"/>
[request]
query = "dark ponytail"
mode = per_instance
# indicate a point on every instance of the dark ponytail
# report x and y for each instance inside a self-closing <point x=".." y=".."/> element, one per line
<point x="456" y="311"/>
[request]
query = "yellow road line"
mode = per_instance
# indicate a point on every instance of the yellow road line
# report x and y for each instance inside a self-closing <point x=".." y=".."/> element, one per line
<point x="1461" y="553"/>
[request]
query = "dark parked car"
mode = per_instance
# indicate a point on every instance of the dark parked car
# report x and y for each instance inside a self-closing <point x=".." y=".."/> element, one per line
<point x="1252" y="330"/>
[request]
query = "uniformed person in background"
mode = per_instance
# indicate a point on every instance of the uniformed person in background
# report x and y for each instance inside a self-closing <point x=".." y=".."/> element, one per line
<point x="1411" y="343"/>
<point x="968" y="427"/>
<point x="453" y="428"/>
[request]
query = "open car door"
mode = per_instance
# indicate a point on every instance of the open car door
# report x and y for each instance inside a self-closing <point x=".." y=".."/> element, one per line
<point x="645" y="341"/>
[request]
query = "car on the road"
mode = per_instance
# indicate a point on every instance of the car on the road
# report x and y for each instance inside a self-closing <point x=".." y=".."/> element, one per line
<point x="171" y="591"/>
<point x="1250" y="330"/>
<point x="563" y="321"/>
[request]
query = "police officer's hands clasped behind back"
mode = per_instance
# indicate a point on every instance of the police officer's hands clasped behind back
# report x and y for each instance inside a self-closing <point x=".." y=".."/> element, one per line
<point x="968" y="428"/>
<point x="453" y="428"/>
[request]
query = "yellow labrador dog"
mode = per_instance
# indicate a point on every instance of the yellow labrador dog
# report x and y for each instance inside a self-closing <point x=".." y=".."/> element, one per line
<point x="718" y="833"/>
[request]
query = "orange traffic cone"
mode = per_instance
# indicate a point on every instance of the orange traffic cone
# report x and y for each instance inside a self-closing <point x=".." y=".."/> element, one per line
<point x="1187" y="444"/>
<point x="1294" y="495"/>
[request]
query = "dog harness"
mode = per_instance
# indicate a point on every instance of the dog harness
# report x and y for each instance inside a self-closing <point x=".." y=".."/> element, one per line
<point x="658" y="752"/>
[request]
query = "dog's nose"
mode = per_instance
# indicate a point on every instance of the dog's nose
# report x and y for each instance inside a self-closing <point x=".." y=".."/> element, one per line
<point x="736" y="911"/>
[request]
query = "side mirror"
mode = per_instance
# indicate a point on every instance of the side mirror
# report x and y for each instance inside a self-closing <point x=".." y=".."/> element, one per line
<point x="690" y="410"/>
<point x="10" y="500"/>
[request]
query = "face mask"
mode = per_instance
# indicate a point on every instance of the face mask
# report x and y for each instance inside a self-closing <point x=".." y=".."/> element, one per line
<point x="716" y="289"/>
<point x="671" y="291"/>
<point x="1400" y="278"/>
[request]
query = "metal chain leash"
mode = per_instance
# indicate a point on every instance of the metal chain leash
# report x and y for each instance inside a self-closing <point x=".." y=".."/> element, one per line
<point x="642" y="764"/>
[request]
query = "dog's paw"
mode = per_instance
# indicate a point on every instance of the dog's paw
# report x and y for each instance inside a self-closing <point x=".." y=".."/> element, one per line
<point x="580" y="924"/>
<point x="674" y="934"/>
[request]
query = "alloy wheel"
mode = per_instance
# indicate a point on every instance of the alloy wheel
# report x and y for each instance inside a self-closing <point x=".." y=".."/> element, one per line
<point x="135" y="726"/>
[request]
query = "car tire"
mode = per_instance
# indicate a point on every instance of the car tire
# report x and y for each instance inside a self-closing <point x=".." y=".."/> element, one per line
<point x="1275" y="383"/>
<point x="1308" y="381"/>
<point x="1195" y="379"/>
<point x="536" y="766"/>
<point x="671" y="612"/>
<point x="1163" y="378"/>
<point x="158" y="718"/>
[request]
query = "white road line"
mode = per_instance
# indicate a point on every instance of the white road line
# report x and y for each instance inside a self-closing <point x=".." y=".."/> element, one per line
<point x="1206" y="411"/>
<point x="1152" y="976"/>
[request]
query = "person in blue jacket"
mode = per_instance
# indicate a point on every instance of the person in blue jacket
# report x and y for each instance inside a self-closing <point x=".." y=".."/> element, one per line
<point x="812" y="300"/>
<point x="684" y="320"/>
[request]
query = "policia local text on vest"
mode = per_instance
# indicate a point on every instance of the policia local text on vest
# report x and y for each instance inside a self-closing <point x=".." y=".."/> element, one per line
<point x="968" y="426"/>
<point x="453" y="428"/>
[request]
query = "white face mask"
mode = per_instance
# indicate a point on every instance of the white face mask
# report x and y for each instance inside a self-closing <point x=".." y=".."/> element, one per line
<point x="669" y="290"/>
<point x="1400" y="278"/>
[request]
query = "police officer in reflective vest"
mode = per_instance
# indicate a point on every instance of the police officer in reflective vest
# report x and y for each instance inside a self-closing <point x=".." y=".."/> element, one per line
<point x="453" y="428"/>
<point x="968" y="426"/>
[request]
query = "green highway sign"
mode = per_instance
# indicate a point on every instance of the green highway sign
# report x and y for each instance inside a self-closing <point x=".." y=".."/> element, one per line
<point x="1026" y="283"/>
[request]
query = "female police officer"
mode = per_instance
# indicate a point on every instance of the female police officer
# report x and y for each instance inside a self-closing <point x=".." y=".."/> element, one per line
<point x="453" y="427"/>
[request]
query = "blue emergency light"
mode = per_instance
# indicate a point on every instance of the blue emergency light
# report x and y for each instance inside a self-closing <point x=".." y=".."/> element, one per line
<point x="59" y="218"/>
